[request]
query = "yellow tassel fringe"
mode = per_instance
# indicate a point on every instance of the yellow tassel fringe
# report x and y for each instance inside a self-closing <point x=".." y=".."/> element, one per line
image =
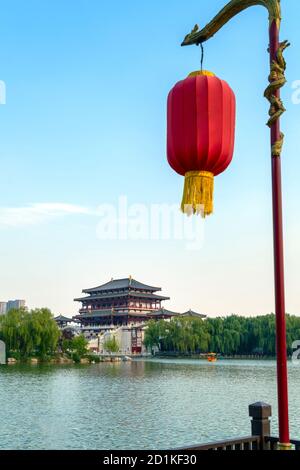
<point x="206" y="73"/>
<point x="198" y="193"/>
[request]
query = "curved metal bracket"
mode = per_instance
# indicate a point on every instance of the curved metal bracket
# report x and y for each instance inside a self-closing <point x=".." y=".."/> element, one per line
<point x="232" y="9"/>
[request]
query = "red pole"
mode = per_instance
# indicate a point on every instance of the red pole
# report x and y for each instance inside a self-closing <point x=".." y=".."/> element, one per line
<point x="282" y="380"/>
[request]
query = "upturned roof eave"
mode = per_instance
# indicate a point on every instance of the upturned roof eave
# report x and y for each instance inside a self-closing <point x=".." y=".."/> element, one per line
<point x="125" y="294"/>
<point x="125" y="283"/>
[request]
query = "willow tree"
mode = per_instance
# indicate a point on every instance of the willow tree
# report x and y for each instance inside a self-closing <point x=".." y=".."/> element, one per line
<point x="29" y="333"/>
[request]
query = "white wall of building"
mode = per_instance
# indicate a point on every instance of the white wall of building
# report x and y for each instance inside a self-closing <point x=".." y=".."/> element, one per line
<point x="123" y="336"/>
<point x="124" y="339"/>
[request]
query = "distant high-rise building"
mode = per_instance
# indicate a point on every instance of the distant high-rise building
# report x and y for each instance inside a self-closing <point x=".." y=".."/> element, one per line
<point x="3" y="308"/>
<point x="11" y="304"/>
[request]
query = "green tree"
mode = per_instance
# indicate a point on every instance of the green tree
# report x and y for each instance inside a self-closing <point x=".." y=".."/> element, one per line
<point x="75" y="347"/>
<point x="45" y="332"/>
<point x="111" y="345"/>
<point x="232" y="335"/>
<point x="29" y="333"/>
<point x="182" y="335"/>
<point x="156" y="331"/>
<point x="79" y="345"/>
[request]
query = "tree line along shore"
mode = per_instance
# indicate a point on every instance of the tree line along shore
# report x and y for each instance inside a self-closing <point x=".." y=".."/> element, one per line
<point x="34" y="336"/>
<point x="233" y="335"/>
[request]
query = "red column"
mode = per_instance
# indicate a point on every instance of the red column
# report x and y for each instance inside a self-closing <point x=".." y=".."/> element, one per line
<point x="282" y="380"/>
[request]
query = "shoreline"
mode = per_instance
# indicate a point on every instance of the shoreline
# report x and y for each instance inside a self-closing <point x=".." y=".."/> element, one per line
<point x="64" y="360"/>
<point x="121" y="358"/>
<point x="219" y="357"/>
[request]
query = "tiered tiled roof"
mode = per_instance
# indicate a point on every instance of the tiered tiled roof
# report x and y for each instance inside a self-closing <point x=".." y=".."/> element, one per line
<point x="113" y="299"/>
<point x="139" y="295"/>
<point x="121" y="288"/>
<point x="191" y="313"/>
<point x="164" y="312"/>
<point x="119" y="284"/>
<point x="62" y="319"/>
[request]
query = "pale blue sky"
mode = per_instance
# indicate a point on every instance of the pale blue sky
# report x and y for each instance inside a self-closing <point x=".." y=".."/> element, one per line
<point x="84" y="123"/>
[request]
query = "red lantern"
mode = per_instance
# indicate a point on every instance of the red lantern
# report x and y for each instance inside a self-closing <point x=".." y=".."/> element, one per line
<point x="201" y="127"/>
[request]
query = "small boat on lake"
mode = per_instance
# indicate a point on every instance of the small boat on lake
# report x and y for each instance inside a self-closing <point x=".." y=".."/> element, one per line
<point x="212" y="357"/>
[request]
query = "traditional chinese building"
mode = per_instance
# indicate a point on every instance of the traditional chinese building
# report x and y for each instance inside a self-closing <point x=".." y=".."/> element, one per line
<point x="119" y="302"/>
<point x="62" y="321"/>
<point x="122" y="307"/>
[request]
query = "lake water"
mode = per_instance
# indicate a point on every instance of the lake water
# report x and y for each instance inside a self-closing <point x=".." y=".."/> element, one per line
<point x="153" y="404"/>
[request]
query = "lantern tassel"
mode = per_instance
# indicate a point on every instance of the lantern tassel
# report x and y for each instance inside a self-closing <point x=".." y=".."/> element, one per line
<point x="198" y="193"/>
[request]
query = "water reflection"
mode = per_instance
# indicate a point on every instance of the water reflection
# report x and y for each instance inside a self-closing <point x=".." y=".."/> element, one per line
<point x="135" y="405"/>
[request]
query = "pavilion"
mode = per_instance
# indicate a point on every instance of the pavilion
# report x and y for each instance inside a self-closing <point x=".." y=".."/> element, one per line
<point x="62" y="321"/>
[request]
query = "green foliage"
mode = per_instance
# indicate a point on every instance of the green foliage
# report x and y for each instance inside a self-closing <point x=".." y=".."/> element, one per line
<point x="29" y="333"/>
<point x="156" y="330"/>
<point x="185" y="334"/>
<point x="93" y="358"/>
<point x="233" y="335"/>
<point x="79" y="345"/>
<point x="35" y="333"/>
<point x="111" y="345"/>
<point x="75" y="347"/>
<point x="76" y="357"/>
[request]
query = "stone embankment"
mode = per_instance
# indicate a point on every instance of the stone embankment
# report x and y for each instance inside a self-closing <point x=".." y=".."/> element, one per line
<point x="66" y="360"/>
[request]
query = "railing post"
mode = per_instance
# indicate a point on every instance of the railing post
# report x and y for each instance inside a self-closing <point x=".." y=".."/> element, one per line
<point x="260" y="424"/>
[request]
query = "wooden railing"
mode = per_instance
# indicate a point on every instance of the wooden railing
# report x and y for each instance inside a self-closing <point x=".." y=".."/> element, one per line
<point x="243" y="443"/>
<point x="260" y="439"/>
